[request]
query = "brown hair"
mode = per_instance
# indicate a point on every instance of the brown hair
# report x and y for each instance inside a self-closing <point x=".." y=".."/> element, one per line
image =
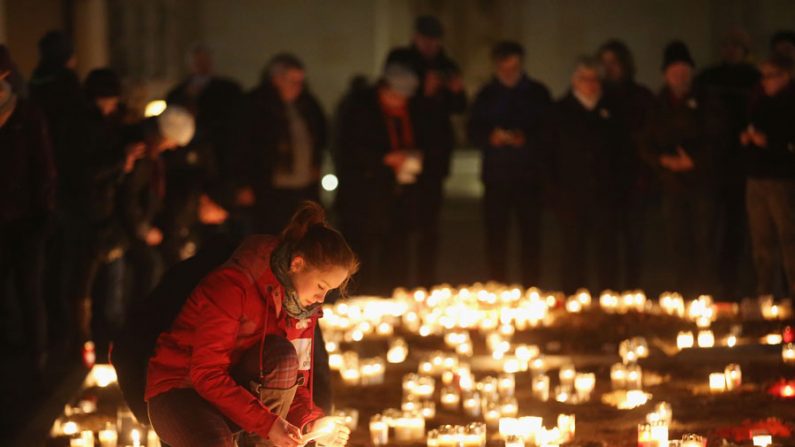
<point x="309" y="235"/>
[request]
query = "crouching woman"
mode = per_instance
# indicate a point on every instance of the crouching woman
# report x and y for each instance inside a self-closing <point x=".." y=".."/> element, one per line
<point x="239" y="354"/>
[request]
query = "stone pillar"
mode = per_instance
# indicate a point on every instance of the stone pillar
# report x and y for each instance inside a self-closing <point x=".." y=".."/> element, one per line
<point x="91" y="34"/>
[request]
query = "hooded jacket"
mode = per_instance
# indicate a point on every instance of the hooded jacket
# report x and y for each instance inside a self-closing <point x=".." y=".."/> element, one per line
<point x="234" y="308"/>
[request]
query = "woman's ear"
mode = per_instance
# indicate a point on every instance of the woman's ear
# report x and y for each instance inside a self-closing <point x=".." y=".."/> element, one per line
<point x="297" y="264"/>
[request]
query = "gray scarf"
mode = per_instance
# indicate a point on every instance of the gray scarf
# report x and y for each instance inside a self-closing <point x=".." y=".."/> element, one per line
<point x="280" y="265"/>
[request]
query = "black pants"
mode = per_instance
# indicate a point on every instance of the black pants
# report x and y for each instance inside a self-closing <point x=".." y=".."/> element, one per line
<point x="771" y="218"/>
<point x="429" y="206"/>
<point x="501" y="203"/>
<point x="590" y="237"/>
<point x="691" y="221"/>
<point x="22" y="259"/>
<point x="182" y="418"/>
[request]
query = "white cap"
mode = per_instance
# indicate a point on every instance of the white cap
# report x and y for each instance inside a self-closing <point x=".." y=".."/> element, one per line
<point x="177" y="124"/>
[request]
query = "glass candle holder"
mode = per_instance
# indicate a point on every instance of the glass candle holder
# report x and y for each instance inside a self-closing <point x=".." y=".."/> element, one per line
<point x="450" y="398"/>
<point x="566" y="425"/>
<point x="584" y="384"/>
<point x="634" y="377"/>
<point x="379" y="430"/>
<point x="717" y="382"/>
<point x="734" y="376"/>
<point x="541" y="387"/>
<point x="471" y="404"/>
<point x="618" y="376"/>
<point x="567" y="374"/>
<point x="684" y="340"/>
<point x="788" y="353"/>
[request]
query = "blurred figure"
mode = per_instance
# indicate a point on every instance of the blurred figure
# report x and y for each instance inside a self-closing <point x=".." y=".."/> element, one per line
<point x="632" y="104"/>
<point x="588" y="162"/>
<point x="97" y="283"/>
<point x="439" y="96"/>
<point x="679" y="143"/>
<point x="730" y="82"/>
<point x="769" y="140"/>
<point x="14" y="77"/>
<point x="216" y="102"/>
<point x="144" y="189"/>
<point x="378" y="163"/>
<point x="285" y="138"/>
<point x="27" y="201"/>
<point x="505" y="123"/>
<point x="782" y="43"/>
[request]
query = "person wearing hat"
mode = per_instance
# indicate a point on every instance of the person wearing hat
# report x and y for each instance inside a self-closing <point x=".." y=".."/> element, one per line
<point x="506" y="124"/>
<point x="679" y="143"/>
<point x="769" y="149"/>
<point x="378" y="160"/>
<point x="440" y="95"/>
<point x="144" y="188"/>
<point x="732" y="82"/>
<point x="27" y="199"/>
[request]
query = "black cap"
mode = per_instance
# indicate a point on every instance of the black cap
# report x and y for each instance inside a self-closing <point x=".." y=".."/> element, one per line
<point x="429" y="26"/>
<point x="676" y="51"/>
<point x="55" y="48"/>
<point x="102" y="83"/>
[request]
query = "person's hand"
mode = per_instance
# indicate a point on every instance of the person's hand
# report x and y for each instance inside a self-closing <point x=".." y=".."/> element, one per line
<point x="210" y="213"/>
<point x="132" y="153"/>
<point x="745" y="137"/>
<point x="336" y="432"/>
<point x="245" y="196"/>
<point x="498" y="137"/>
<point x="685" y="162"/>
<point x="433" y="82"/>
<point x="395" y="159"/>
<point x="517" y="138"/>
<point x="285" y="434"/>
<point x="154" y="237"/>
<point x="758" y="138"/>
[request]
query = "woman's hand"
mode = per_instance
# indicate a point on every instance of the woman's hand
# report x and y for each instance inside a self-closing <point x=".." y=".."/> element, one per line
<point x="285" y="434"/>
<point x="336" y="433"/>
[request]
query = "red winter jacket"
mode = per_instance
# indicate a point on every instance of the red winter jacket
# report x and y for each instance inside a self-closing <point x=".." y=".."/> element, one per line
<point x="230" y="311"/>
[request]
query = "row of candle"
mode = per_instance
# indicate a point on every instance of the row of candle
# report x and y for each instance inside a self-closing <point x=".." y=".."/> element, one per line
<point x="728" y="380"/>
<point x="529" y="430"/>
<point x="407" y="427"/>
<point x="107" y="437"/>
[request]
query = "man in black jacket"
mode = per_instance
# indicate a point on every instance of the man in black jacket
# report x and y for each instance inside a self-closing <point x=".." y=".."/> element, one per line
<point x="769" y="142"/>
<point x="27" y="200"/>
<point x="505" y="123"/>
<point x="679" y="144"/>
<point x="588" y="161"/>
<point x="439" y="96"/>
<point x="285" y="138"/>
<point x="377" y="157"/>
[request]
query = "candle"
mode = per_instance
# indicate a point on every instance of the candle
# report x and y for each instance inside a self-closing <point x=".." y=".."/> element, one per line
<point x="371" y="371"/>
<point x="652" y="435"/>
<point x="690" y="440"/>
<point x="108" y="437"/>
<point x="541" y="387"/>
<point x="529" y="427"/>
<point x="566" y="425"/>
<point x="762" y="439"/>
<point x="566" y="375"/>
<point x="70" y="428"/>
<point x="424" y="387"/>
<point x="77" y="442"/>
<point x="706" y="339"/>
<point x="491" y="415"/>
<point x="509" y="407"/>
<point x="409" y="428"/>
<point x="350" y="375"/>
<point x="514" y="441"/>
<point x="684" y="340"/>
<point x="428" y="409"/>
<point x="584" y="384"/>
<point x="664" y="412"/>
<point x="634" y="377"/>
<point x="618" y="376"/>
<point x="734" y="376"/>
<point x="335" y="361"/>
<point x="717" y="382"/>
<point x="135" y="435"/>
<point x="506" y="385"/>
<point x="379" y="430"/>
<point x="152" y="440"/>
<point x="562" y="393"/>
<point x="471" y="404"/>
<point x="450" y="398"/>
<point x="88" y="438"/>
<point x="511" y="365"/>
<point x="397" y="353"/>
<point x="475" y="435"/>
<point x="788" y="353"/>
<point x="573" y="305"/>
<point x="538" y="364"/>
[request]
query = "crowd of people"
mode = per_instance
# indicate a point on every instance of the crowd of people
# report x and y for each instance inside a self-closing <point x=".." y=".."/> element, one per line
<point x="100" y="200"/>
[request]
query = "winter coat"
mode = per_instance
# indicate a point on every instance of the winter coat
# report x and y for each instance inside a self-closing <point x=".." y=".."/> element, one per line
<point x="773" y="116"/>
<point x="233" y="309"/>
<point x="520" y="108"/>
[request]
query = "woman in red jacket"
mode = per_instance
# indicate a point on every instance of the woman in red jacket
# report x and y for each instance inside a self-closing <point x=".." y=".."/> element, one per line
<point x="239" y="354"/>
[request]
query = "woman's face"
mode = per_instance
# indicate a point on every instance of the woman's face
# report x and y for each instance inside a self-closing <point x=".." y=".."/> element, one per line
<point x="312" y="284"/>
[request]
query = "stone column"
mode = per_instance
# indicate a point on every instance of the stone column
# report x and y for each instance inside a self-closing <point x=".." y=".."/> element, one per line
<point x="91" y="34"/>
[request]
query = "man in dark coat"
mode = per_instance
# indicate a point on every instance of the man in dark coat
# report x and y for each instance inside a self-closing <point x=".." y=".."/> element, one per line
<point x="588" y="159"/>
<point x="731" y="82"/>
<point x="679" y="143"/>
<point x="285" y="138"/>
<point x="632" y="105"/>
<point x="439" y="96"/>
<point x="769" y="142"/>
<point x="27" y="201"/>
<point x="505" y="123"/>
<point x="376" y="159"/>
<point x="217" y="103"/>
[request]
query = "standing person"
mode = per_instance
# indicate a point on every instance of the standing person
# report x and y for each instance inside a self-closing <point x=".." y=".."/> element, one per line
<point x="286" y="135"/>
<point x="782" y="43"/>
<point x="769" y="142"/>
<point x="102" y="240"/>
<point x="679" y="143"/>
<point x="239" y="354"/>
<point x="27" y="201"/>
<point x="505" y="123"/>
<point x="632" y="105"/>
<point x="588" y="160"/>
<point x="216" y="102"/>
<point x="143" y="190"/>
<point x="731" y="83"/>
<point x="378" y="162"/>
<point x="439" y="96"/>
